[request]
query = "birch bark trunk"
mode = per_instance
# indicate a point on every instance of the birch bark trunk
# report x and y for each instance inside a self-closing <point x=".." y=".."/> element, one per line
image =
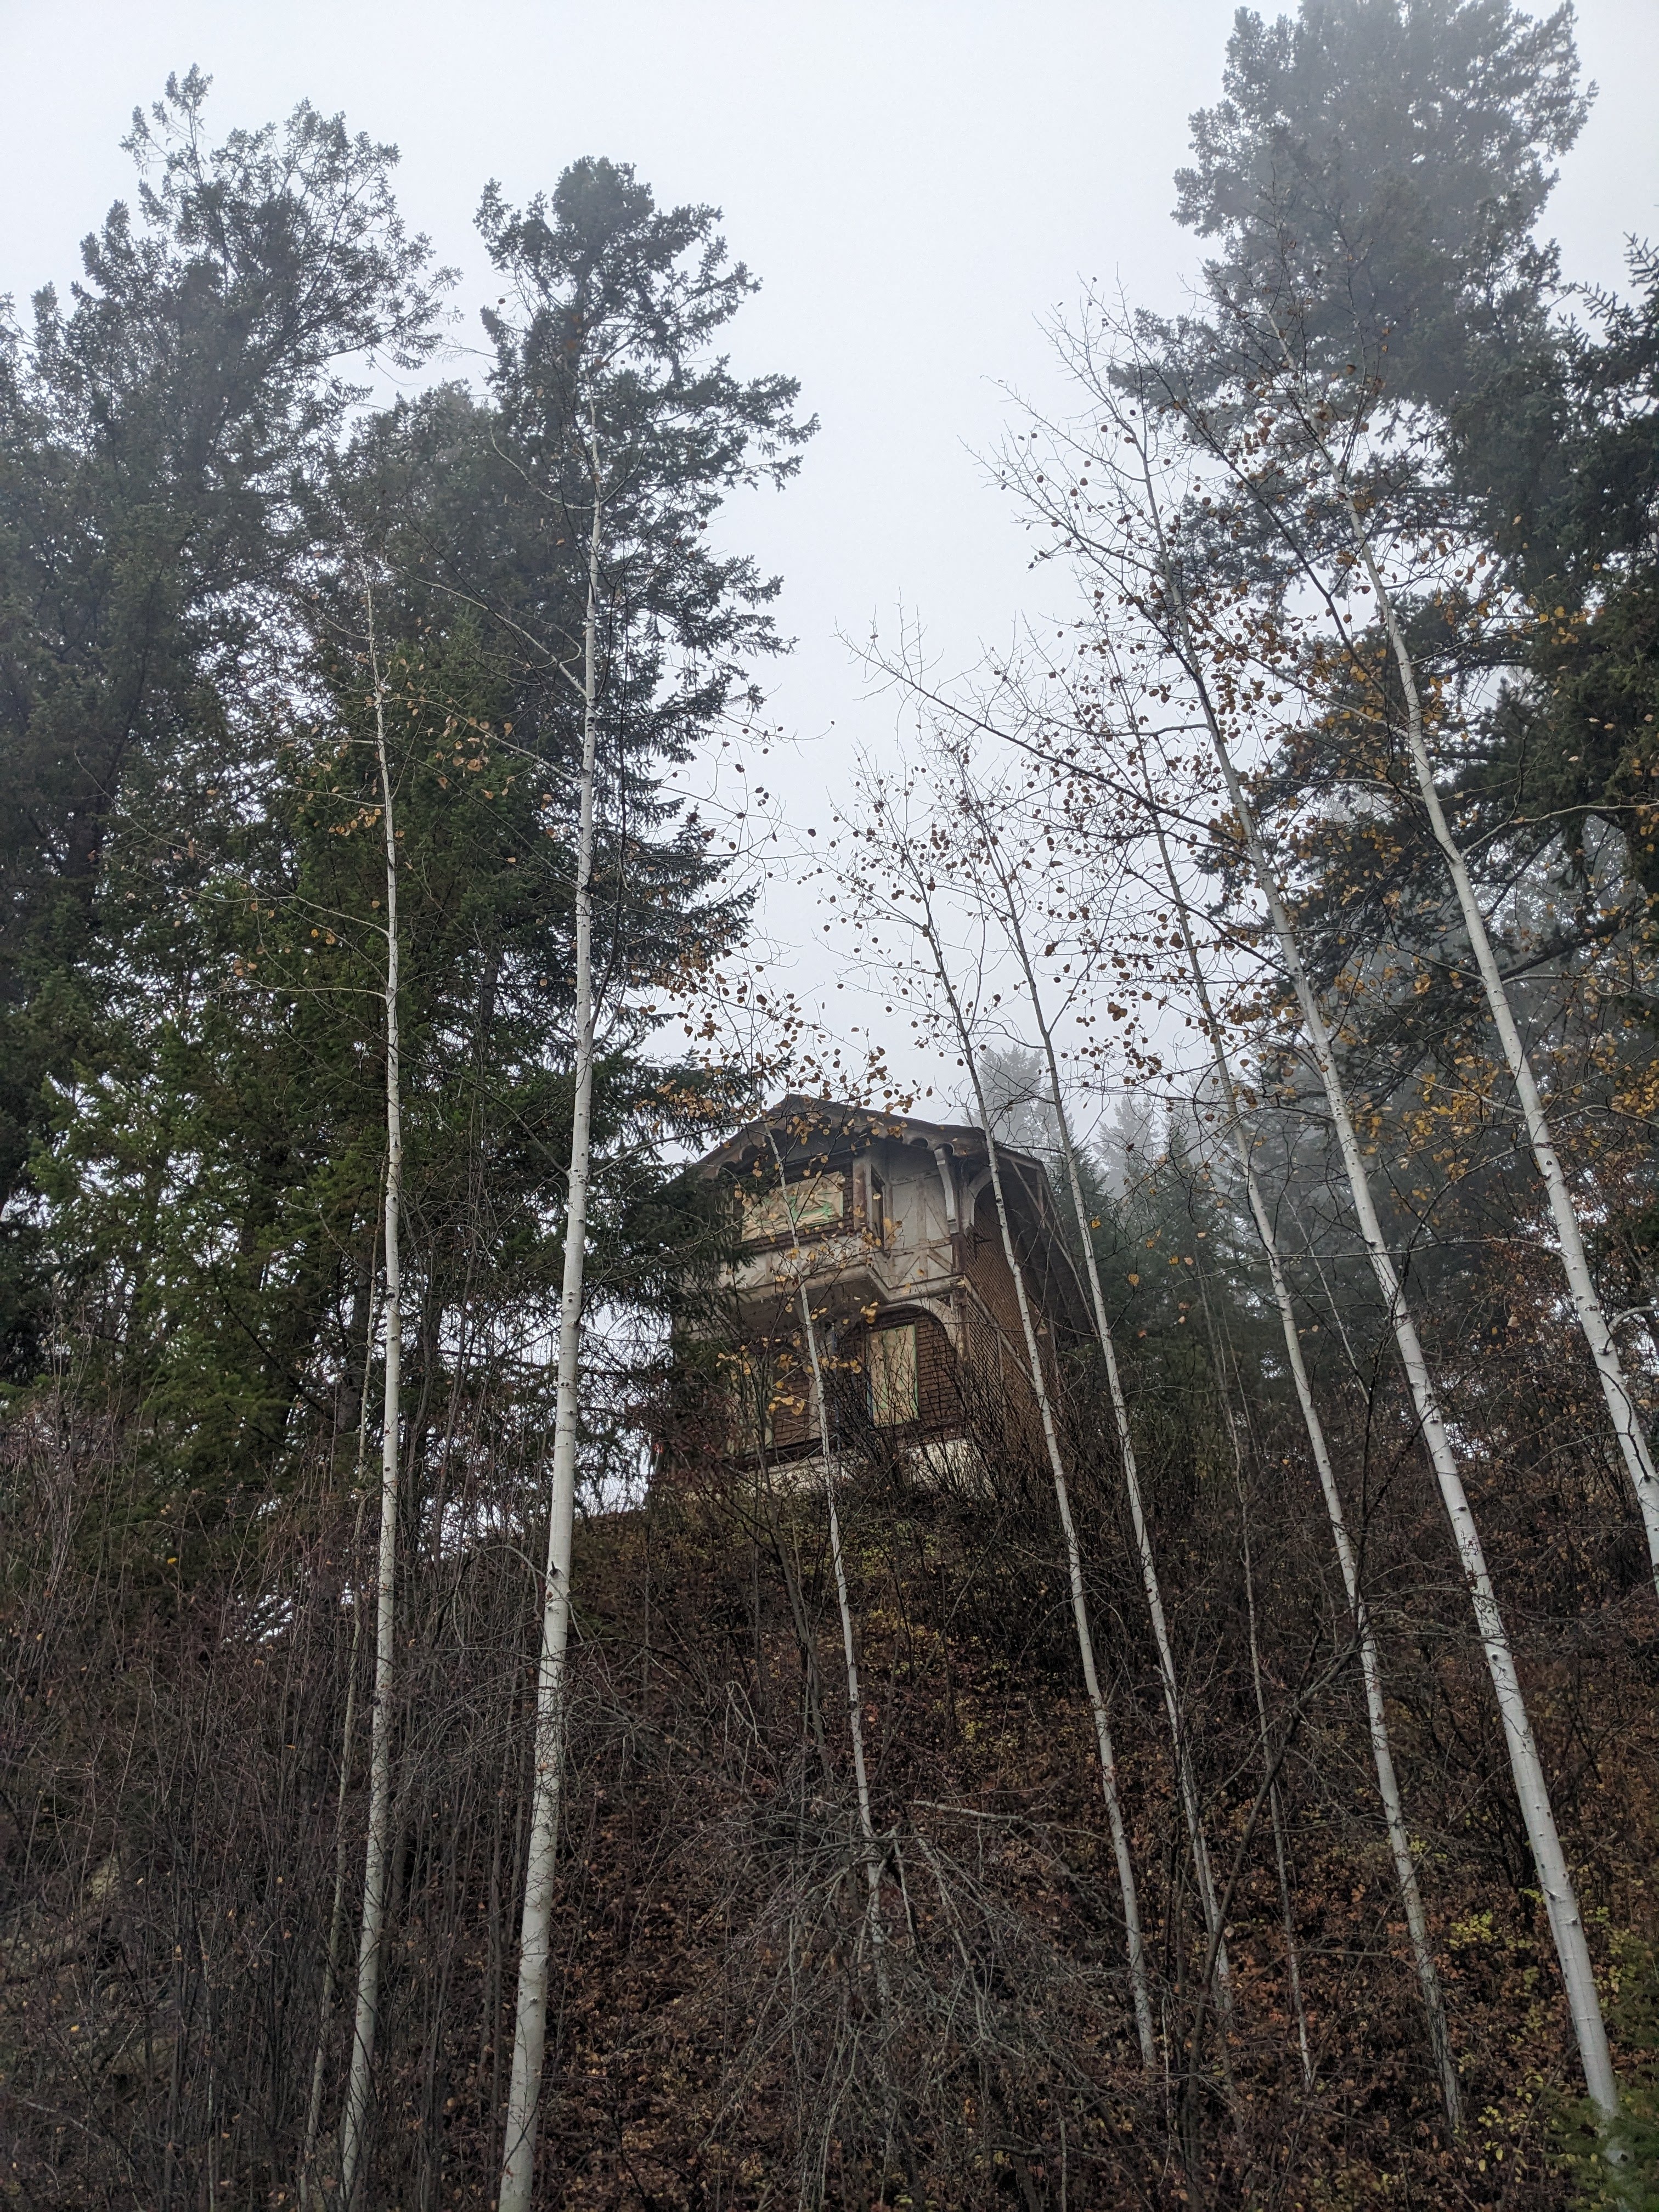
<point x="1370" y="1661"/>
<point x="530" y="2012"/>
<point x="354" y="2127"/>
<point x="1622" y="1407"/>
<point x="1561" y="1902"/>
<point x="1008" y="915"/>
<point x="307" y="2192"/>
<point x="1086" y="1642"/>
<point x="871" y="1854"/>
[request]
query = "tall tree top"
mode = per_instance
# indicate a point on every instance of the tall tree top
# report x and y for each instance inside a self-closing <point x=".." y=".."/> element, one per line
<point x="260" y="266"/>
<point x="620" y="299"/>
<point x="1387" y="161"/>
<point x="600" y="246"/>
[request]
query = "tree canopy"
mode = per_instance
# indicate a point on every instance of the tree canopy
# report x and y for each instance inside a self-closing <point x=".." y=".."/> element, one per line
<point x="1114" y="1664"/>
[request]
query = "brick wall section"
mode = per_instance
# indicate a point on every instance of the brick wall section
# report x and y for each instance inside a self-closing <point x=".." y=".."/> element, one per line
<point x="985" y="1265"/>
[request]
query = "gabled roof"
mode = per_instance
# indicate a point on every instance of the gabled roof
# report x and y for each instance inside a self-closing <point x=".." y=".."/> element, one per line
<point x="809" y="1129"/>
<point x="809" y="1125"/>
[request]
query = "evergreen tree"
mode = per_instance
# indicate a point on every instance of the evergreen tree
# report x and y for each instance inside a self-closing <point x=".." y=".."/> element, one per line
<point x="1377" y="168"/>
<point x="207" y="1156"/>
<point x="156" y="441"/>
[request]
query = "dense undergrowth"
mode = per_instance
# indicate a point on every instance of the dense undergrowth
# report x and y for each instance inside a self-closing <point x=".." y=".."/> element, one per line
<point x="723" y="2036"/>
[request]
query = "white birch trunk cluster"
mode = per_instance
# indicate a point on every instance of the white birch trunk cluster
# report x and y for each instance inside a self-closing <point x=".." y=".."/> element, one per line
<point x="1158" y="604"/>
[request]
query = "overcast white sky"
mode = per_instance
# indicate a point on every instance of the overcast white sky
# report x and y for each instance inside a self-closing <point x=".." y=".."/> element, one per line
<point x="917" y="184"/>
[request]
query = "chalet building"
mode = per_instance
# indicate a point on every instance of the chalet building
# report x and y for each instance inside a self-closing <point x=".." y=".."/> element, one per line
<point x="891" y="1223"/>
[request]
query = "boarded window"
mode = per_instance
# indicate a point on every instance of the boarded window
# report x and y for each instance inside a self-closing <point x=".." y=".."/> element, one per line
<point x="815" y="1202"/>
<point x="892" y="1360"/>
<point x="771" y="1399"/>
<point x="755" y="1405"/>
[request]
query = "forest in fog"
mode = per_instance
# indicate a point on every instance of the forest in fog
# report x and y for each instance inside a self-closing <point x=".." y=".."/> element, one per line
<point x="447" y="1756"/>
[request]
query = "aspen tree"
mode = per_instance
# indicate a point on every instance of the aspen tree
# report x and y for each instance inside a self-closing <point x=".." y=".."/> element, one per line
<point x="1292" y="1961"/>
<point x="354" y="2126"/>
<point x="619" y="427"/>
<point x="336" y="1918"/>
<point x="1300" y="308"/>
<point x="1623" y="1409"/>
<point x="1370" y="1659"/>
<point x="1561" y="1902"/>
<point x="871" y="1853"/>
<point x="1009" y="919"/>
<point x="1310" y="414"/>
<point x="530" y="2009"/>
<point x="922" y="891"/>
<point x="307" y="2192"/>
<point x="755" y="1388"/>
<point x="1161" y="602"/>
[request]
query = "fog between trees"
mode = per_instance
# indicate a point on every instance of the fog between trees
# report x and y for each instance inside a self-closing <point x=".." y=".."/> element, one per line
<point x="449" y="1756"/>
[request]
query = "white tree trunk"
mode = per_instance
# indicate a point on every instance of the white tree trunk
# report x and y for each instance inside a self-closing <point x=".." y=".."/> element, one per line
<point x="1370" y="1662"/>
<point x="1292" y="1960"/>
<point x="1186" y="1784"/>
<point x="371" y="1943"/>
<point x="529" y="2017"/>
<point x="872" y="1853"/>
<point x="1623" y="1409"/>
<point x="308" y="2193"/>
<point x="1561" y="1902"/>
<point x="1086" y="1642"/>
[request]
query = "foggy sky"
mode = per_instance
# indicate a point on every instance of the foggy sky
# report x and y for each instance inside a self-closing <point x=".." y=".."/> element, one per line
<point x="917" y="184"/>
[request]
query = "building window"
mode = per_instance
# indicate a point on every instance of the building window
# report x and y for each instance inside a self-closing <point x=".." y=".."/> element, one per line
<point x="756" y="1405"/>
<point x="892" y="1364"/>
<point x="813" y="1202"/>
